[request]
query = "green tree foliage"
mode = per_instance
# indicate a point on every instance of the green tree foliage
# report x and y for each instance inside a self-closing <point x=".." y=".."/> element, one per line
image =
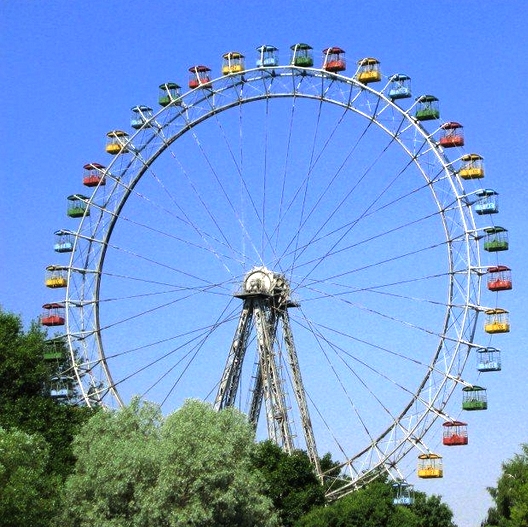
<point x="24" y="399"/>
<point x="290" y="481"/>
<point x="27" y="489"/>
<point x="22" y="368"/>
<point x="511" y="493"/>
<point x="372" y="506"/>
<point x="136" y="469"/>
<point x="431" y="511"/>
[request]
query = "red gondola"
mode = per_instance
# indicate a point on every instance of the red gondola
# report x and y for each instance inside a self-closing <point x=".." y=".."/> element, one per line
<point x="334" y="60"/>
<point x="455" y="433"/>
<point x="53" y="314"/>
<point x="499" y="278"/>
<point x="453" y="135"/>
<point x="93" y="175"/>
<point x="199" y="76"/>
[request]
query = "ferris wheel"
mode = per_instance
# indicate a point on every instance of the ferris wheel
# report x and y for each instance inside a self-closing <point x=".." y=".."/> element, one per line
<point x="287" y="239"/>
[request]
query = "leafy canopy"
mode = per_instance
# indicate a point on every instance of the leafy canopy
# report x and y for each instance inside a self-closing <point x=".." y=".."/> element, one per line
<point x="373" y="506"/>
<point x="27" y="488"/>
<point x="290" y="481"/>
<point x="510" y="496"/>
<point x="24" y="392"/>
<point x="137" y="469"/>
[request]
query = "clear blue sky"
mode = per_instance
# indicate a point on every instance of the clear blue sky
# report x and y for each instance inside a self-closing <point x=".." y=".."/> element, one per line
<point x="72" y="71"/>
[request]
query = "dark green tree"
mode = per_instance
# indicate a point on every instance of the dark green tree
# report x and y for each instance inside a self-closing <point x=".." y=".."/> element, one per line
<point x="28" y="494"/>
<point x="510" y="496"/>
<point x="23" y="372"/>
<point x="24" y="392"/>
<point x="290" y="481"/>
<point x="431" y="511"/>
<point x="368" y="507"/>
<point x="372" y="506"/>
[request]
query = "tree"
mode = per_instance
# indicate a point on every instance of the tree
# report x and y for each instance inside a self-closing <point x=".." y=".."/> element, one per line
<point x="372" y="506"/>
<point x="22" y="368"/>
<point x="431" y="511"/>
<point x="367" y="507"/>
<point x="137" y="469"/>
<point x="24" y="398"/>
<point x="27" y="488"/>
<point x="511" y="493"/>
<point x="290" y="480"/>
<point x="35" y="431"/>
<point x="207" y="476"/>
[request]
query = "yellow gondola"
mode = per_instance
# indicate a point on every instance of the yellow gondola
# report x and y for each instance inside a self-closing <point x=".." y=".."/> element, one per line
<point x="497" y="321"/>
<point x="369" y="70"/>
<point x="233" y="62"/>
<point x="430" y="466"/>
<point x="116" y="142"/>
<point x="472" y="167"/>
<point x="56" y="276"/>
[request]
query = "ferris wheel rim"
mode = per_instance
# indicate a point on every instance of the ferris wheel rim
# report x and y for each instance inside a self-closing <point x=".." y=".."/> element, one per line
<point x="238" y="80"/>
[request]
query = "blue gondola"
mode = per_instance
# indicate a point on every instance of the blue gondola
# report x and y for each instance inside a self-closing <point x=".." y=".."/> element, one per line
<point x="400" y="87"/>
<point x="487" y="202"/>
<point x="61" y="387"/>
<point x="403" y="493"/>
<point x="140" y="117"/>
<point x="267" y="56"/>
<point x="63" y="241"/>
<point x="488" y="359"/>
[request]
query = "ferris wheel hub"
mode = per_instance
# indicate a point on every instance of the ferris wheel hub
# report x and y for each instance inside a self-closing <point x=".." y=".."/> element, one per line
<point x="260" y="280"/>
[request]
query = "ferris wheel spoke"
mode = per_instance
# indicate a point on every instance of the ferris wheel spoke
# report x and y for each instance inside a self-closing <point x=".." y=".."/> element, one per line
<point x="152" y="309"/>
<point x="173" y="364"/>
<point x="283" y="206"/>
<point x="346" y="359"/>
<point x="226" y="196"/>
<point x="307" y="268"/>
<point x="369" y="211"/>
<point x="303" y="219"/>
<point x="207" y="239"/>
<point x="354" y="336"/>
<point x="307" y="181"/>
